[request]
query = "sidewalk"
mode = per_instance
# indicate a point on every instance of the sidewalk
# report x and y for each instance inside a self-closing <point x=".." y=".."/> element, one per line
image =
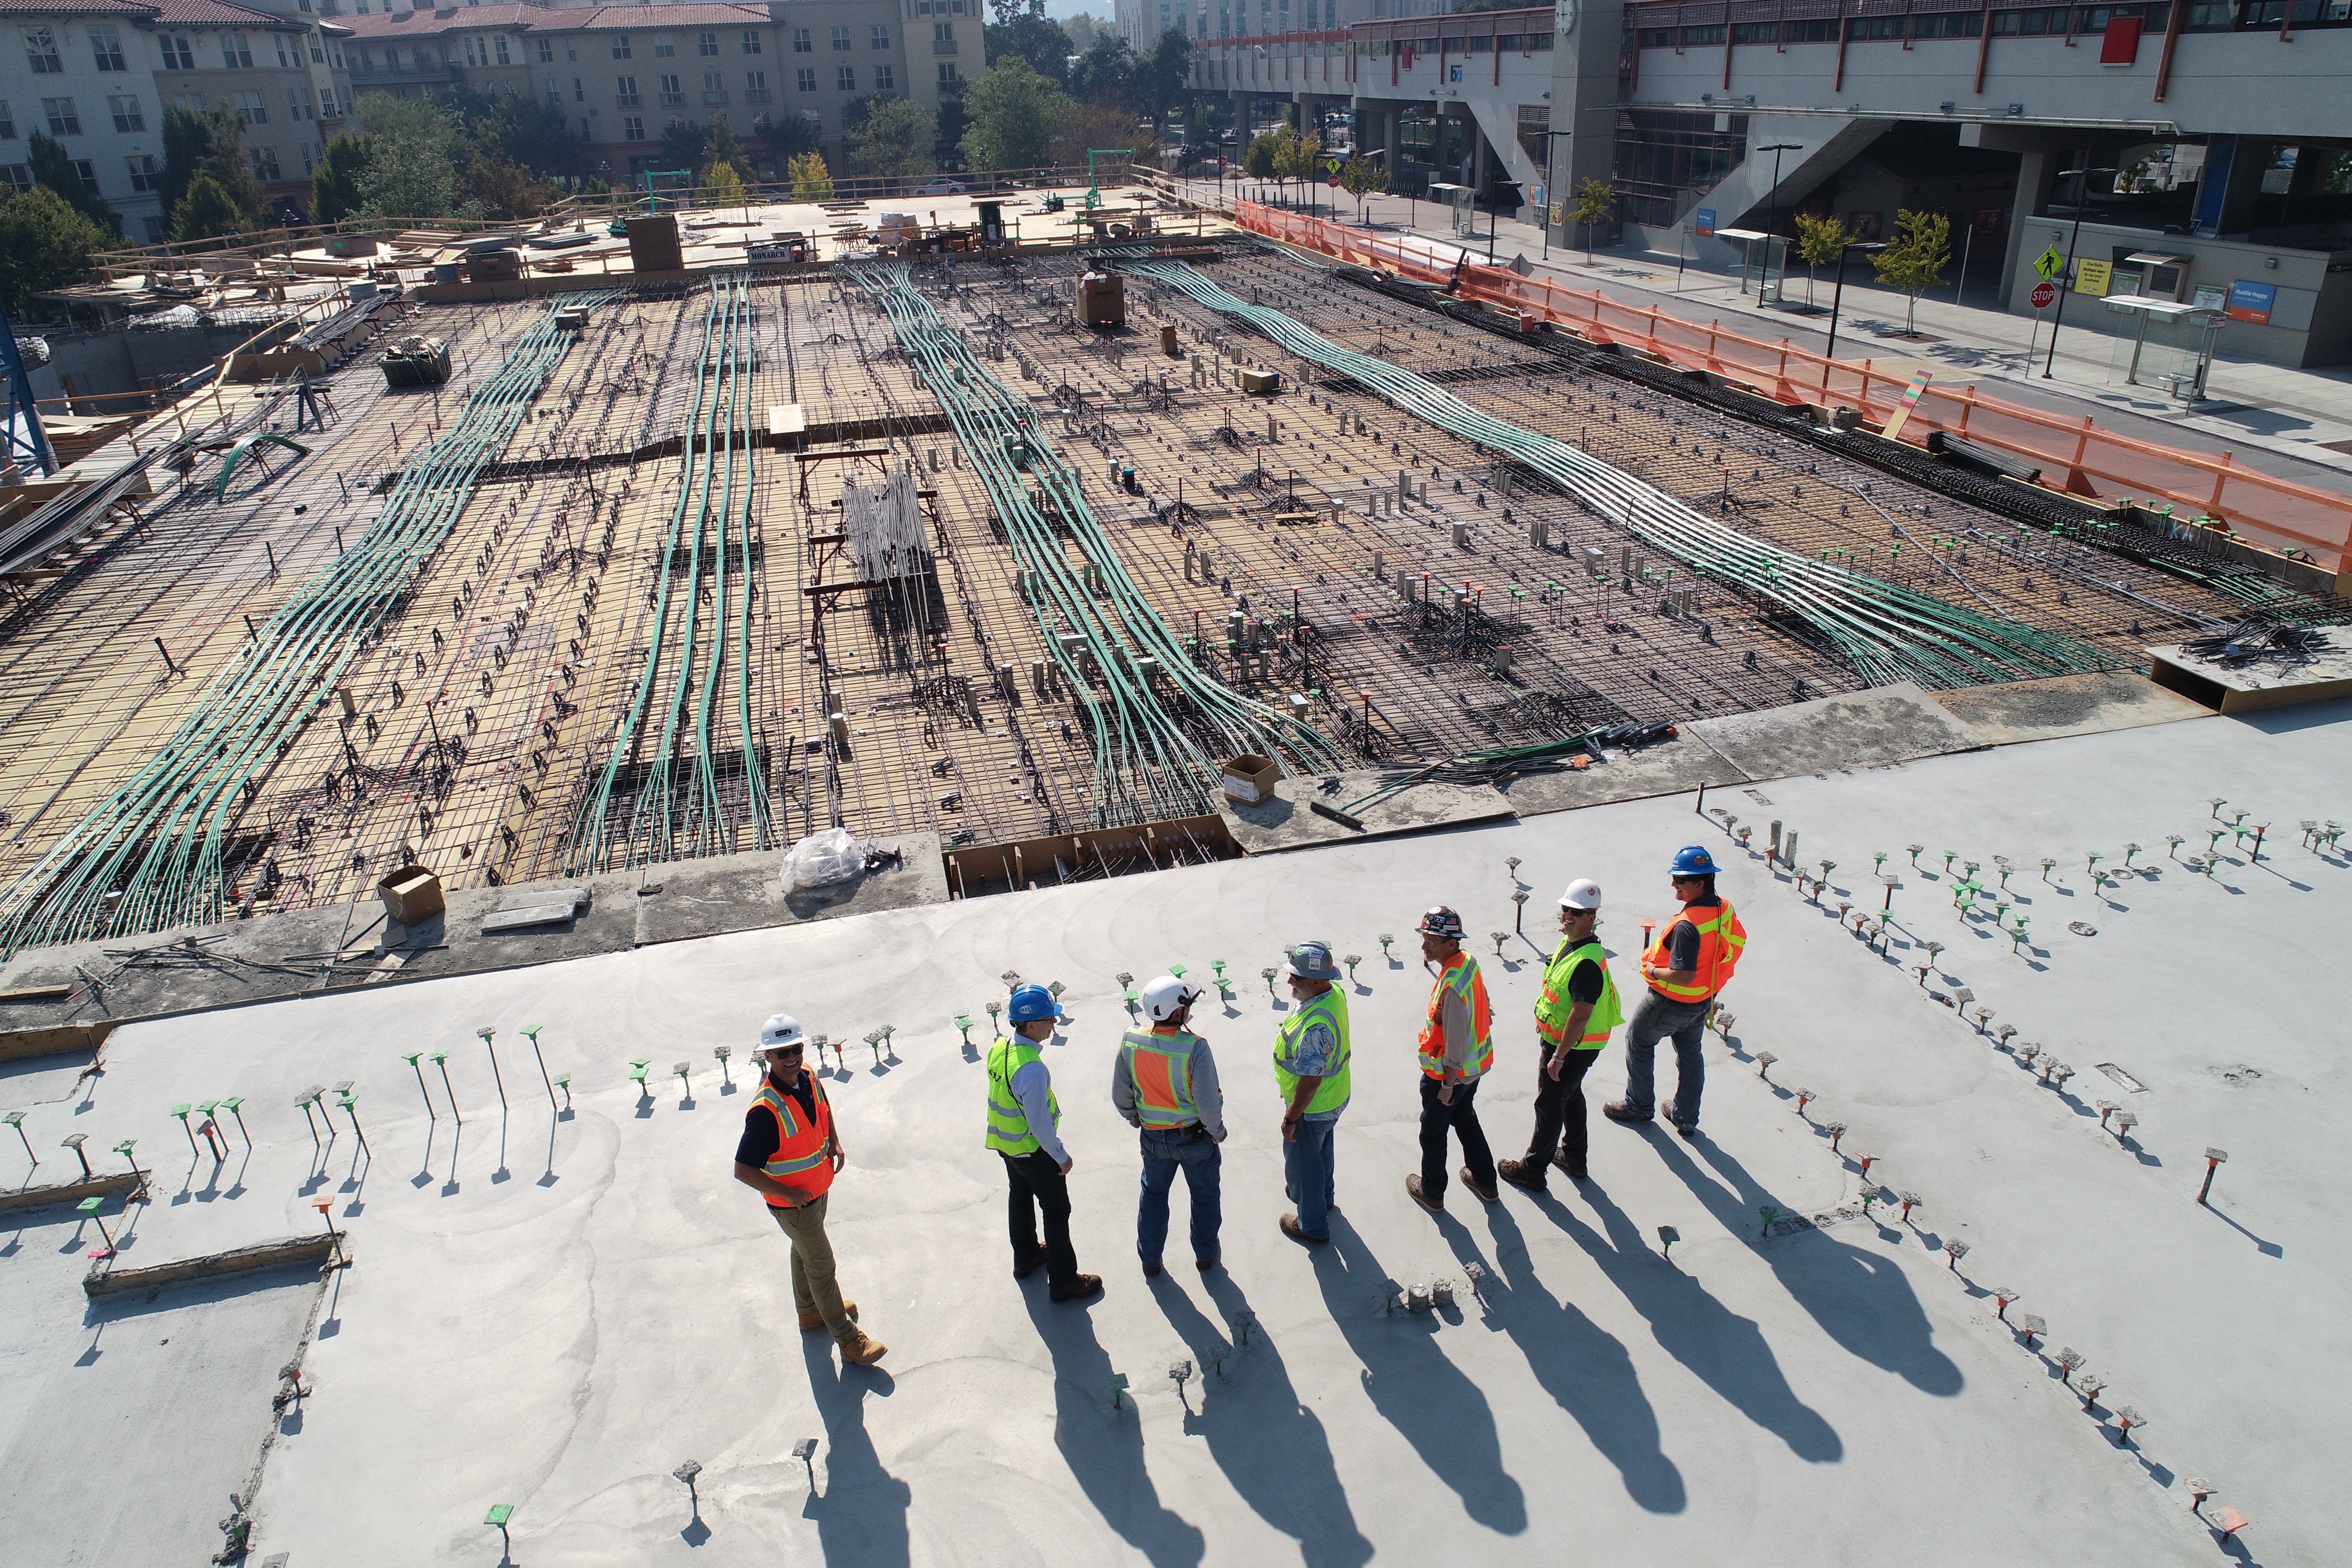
<point x="2273" y="419"/>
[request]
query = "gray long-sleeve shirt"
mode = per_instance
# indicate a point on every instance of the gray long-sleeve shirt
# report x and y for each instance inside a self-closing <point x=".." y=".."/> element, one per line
<point x="1207" y="1098"/>
<point x="1031" y="1085"/>
<point x="1454" y="1016"/>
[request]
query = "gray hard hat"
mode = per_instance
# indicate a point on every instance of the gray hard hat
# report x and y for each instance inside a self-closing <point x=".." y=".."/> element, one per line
<point x="1310" y="960"/>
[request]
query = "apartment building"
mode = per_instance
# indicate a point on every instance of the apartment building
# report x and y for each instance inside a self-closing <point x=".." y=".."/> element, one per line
<point x="97" y="75"/>
<point x="622" y="74"/>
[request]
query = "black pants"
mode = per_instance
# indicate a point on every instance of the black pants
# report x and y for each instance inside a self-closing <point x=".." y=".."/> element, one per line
<point x="1461" y="1119"/>
<point x="1035" y="1183"/>
<point x="1560" y="1113"/>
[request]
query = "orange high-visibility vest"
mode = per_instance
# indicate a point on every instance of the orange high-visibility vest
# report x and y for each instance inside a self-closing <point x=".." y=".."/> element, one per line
<point x="1460" y="977"/>
<point x="1160" y="1066"/>
<point x="1721" y="938"/>
<point x="801" y="1161"/>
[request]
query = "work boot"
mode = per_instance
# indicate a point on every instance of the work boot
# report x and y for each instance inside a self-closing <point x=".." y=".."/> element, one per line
<point x="1081" y="1287"/>
<point x="1023" y="1270"/>
<point x="1489" y="1193"/>
<point x="1575" y="1168"/>
<point x="1617" y="1111"/>
<point x="1413" y="1190"/>
<point x="863" y="1350"/>
<point x="1152" y="1271"/>
<point x="812" y="1321"/>
<point x="1289" y="1224"/>
<point x="1522" y="1173"/>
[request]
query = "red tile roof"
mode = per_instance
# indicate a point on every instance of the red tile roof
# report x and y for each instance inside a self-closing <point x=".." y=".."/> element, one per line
<point x="129" y="8"/>
<point x="524" y="17"/>
<point x="217" y="13"/>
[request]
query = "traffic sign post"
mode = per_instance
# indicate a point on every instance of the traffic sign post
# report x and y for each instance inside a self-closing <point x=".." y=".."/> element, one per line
<point x="2045" y="294"/>
<point x="2048" y="264"/>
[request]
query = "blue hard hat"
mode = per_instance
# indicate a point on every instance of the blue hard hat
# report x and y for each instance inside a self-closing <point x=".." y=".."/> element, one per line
<point x="1032" y="1003"/>
<point x="1691" y="860"/>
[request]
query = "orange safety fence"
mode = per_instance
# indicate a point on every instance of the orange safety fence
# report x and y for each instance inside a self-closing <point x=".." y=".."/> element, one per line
<point x="2073" y="453"/>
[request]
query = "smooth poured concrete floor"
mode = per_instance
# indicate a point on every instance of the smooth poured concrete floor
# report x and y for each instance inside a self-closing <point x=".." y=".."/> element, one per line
<point x="556" y="1313"/>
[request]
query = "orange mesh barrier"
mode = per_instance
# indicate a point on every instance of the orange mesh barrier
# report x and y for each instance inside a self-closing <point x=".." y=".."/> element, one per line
<point x="2073" y="453"/>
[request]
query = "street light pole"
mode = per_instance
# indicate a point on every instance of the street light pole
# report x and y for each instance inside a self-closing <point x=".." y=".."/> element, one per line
<point x="1837" y="295"/>
<point x="2081" y="193"/>
<point x="1772" y="209"/>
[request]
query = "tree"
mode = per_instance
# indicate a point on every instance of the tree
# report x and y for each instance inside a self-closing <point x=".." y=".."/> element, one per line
<point x="1915" y="261"/>
<point x="1022" y="31"/>
<point x="500" y="187"/>
<point x="211" y="143"/>
<point x="1361" y="177"/>
<point x="722" y="187"/>
<point x="725" y="147"/>
<point x="893" y="140"/>
<point x="789" y="136"/>
<point x="1263" y="152"/>
<point x="419" y="150"/>
<point x="335" y="182"/>
<point x="53" y="169"/>
<point x="1014" y="112"/>
<point x="207" y="211"/>
<point x="1103" y="128"/>
<point x="1105" y="74"/>
<point x="946" y="141"/>
<point x="533" y="132"/>
<point x="1820" y="241"/>
<point x="1299" y="157"/>
<point x="1595" y="199"/>
<point x="1164" y="75"/>
<point x="45" y="243"/>
<point x="812" y="181"/>
<point x="686" y="145"/>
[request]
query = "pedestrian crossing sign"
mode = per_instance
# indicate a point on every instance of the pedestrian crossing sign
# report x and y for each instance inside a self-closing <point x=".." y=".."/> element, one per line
<point x="2048" y="264"/>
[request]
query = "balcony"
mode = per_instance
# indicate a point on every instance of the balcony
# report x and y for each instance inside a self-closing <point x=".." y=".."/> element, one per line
<point x="714" y="96"/>
<point x="673" y="100"/>
<point x="943" y="45"/>
<point x="755" y="95"/>
<point x="627" y="100"/>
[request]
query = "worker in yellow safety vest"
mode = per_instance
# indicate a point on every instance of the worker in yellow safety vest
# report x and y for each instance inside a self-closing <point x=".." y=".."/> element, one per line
<point x="1310" y="1069"/>
<point x="1687" y="968"/>
<point x="1573" y="1018"/>
<point x="1165" y="1084"/>
<point x="789" y="1154"/>
<point x="1024" y="1120"/>
<point x="1456" y="1047"/>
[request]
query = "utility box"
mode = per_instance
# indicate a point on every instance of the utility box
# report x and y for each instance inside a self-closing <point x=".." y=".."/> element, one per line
<point x="1261" y="381"/>
<point x="1250" y="778"/>
<point x="653" y="244"/>
<point x="501" y="266"/>
<point x="1102" y="300"/>
<point x="572" y="319"/>
<point x="411" y="895"/>
<point x="1168" y="341"/>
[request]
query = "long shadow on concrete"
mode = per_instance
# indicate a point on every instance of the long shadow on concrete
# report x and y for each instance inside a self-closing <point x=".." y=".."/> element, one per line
<point x="1102" y="1445"/>
<point x="1271" y="1447"/>
<point x="861" y="1515"/>
<point x="1580" y="1364"/>
<point x="1422" y="1393"/>
<point x="1860" y="1300"/>
<point x="1725" y="1351"/>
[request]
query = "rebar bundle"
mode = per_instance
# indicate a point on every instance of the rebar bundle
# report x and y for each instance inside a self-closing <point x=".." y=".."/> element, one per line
<point x="1152" y="762"/>
<point x="152" y="854"/>
<point x="1885" y="633"/>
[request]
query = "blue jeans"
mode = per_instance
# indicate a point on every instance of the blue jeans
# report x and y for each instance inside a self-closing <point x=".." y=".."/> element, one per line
<point x="1309" y="1166"/>
<point x="1684" y="1023"/>
<point x="1201" y="1160"/>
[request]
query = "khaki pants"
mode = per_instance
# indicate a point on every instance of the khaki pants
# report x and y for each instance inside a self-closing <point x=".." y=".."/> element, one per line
<point x="813" y="1287"/>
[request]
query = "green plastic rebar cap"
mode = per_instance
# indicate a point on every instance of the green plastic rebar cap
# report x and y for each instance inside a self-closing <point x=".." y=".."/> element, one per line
<point x="498" y="1515"/>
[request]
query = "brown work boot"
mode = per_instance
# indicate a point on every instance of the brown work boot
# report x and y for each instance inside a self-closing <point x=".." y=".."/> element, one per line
<point x="1081" y="1287"/>
<point x="1289" y="1224"/>
<point x="812" y="1321"/>
<point x="1521" y="1173"/>
<point x="1413" y="1190"/>
<point x="1489" y="1193"/>
<point x="863" y="1350"/>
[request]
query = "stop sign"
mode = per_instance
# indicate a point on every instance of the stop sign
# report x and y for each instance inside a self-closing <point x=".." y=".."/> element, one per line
<point x="2045" y="294"/>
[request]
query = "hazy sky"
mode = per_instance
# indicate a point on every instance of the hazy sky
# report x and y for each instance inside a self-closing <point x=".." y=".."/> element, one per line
<point x="1063" y="10"/>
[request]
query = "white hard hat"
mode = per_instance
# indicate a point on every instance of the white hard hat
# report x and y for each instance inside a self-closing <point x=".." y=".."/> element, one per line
<point x="784" y="1029"/>
<point x="1584" y="893"/>
<point x="1165" y="995"/>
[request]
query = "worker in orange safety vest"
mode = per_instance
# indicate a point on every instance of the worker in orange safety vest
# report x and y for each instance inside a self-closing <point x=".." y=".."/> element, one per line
<point x="1687" y="968"/>
<point x="1456" y="1047"/>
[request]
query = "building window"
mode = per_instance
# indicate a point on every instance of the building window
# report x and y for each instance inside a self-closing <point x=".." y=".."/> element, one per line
<point x="755" y="82"/>
<point x="620" y="46"/>
<point x="946" y="73"/>
<point x="750" y="43"/>
<point x="236" y="54"/>
<point x="805" y="79"/>
<point x="845" y="79"/>
<point x="154" y="223"/>
<point x="579" y="92"/>
<point x="1755" y="32"/>
<point x="285" y="62"/>
<point x="7" y="122"/>
<point x="144" y="174"/>
<point x="63" y="120"/>
<point x="318" y="55"/>
<point x="885" y="79"/>
<point x="881" y="36"/>
<point x="547" y="51"/>
<point x="87" y="173"/>
<point x="499" y="48"/>
<point x="840" y="39"/>
<point x="943" y="39"/>
<point x="106" y="47"/>
<point x="555" y="95"/>
<point x="128" y="116"/>
<point x="249" y="106"/>
<point x="706" y="42"/>
<point x="476" y="53"/>
<point x="41" y="52"/>
<point x="803" y="43"/>
<point x="265" y="162"/>
<point x="179" y="55"/>
<point x="625" y="91"/>
<point x="633" y="128"/>
<point x="297" y="104"/>
<point x="711" y="82"/>
<point x="665" y="48"/>
<point x="19" y="176"/>
<point x="670" y="95"/>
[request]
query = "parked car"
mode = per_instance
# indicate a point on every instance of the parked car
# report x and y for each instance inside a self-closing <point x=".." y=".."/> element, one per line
<point x="942" y="186"/>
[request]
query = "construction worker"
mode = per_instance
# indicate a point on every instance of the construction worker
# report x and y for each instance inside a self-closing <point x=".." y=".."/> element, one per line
<point x="790" y="1153"/>
<point x="1457" y="1048"/>
<point x="1573" y="1018"/>
<point x="1690" y="962"/>
<point x="1165" y="1084"/>
<point x="1311" y="1069"/>
<point x="1024" y="1118"/>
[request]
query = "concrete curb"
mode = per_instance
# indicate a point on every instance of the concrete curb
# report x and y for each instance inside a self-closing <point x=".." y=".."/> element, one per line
<point x="104" y="1282"/>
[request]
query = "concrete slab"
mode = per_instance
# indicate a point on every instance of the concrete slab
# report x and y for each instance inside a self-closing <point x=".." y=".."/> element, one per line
<point x="2252" y="686"/>
<point x="1669" y="767"/>
<point x="740" y="892"/>
<point x="1272" y="827"/>
<point x="2066" y="705"/>
<point x="1861" y="729"/>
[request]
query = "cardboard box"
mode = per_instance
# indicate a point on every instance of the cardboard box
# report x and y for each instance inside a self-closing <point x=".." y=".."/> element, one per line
<point x="1260" y="379"/>
<point x="654" y="244"/>
<point x="411" y="895"/>
<point x="1102" y="300"/>
<point x="1250" y="778"/>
